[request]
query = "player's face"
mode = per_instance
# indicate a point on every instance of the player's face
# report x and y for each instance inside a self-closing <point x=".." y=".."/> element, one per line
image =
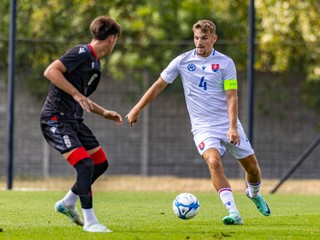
<point x="113" y="42"/>
<point x="204" y="42"/>
<point x="110" y="42"/>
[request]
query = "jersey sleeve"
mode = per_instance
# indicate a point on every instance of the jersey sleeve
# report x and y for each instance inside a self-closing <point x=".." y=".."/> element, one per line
<point x="230" y="77"/>
<point x="73" y="58"/>
<point x="171" y="72"/>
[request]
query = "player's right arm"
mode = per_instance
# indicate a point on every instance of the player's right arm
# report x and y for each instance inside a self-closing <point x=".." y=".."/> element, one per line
<point x="54" y="73"/>
<point x="149" y="96"/>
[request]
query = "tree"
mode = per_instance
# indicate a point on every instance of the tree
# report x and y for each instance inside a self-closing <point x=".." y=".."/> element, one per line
<point x="153" y="31"/>
<point x="156" y="31"/>
<point x="288" y="40"/>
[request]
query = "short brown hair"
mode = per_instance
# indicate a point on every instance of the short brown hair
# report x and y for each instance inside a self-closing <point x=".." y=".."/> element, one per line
<point x="205" y="26"/>
<point x="102" y="27"/>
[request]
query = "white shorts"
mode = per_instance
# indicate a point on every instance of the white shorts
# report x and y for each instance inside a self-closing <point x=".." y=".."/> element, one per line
<point x="210" y="139"/>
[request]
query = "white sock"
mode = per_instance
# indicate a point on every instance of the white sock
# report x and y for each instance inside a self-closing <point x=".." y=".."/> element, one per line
<point x="227" y="199"/>
<point x="254" y="189"/>
<point x="70" y="199"/>
<point x="89" y="216"/>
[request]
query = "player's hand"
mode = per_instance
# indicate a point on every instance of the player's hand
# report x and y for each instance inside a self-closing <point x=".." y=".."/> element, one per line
<point x="132" y="117"/>
<point x="112" y="115"/>
<point x="84" y="102"/>
<point x="233" y="136"/>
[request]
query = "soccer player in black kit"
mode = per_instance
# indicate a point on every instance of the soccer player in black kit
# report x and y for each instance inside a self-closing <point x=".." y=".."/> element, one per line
<point x="73" y="78"/>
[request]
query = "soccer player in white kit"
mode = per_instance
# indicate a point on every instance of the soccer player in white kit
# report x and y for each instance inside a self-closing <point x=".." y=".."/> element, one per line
<point x="210" y="87"/>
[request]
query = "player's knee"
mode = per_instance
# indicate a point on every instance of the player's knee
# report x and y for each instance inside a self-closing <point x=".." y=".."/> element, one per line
<point x="214" y="163"/>
<point x="212" y="158"/>
<point x="101" y="168"/>
<point x="88" y="165"/>
<point x="105" y="165"/>
<point x="85" y="168"/>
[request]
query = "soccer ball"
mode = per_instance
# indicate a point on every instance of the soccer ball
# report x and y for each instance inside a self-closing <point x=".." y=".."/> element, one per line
<point x="186" y="206"/>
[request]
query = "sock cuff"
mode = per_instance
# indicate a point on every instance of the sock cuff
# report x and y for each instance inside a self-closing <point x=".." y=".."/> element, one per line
<point x="99" y="156"/>
<point x="224" y="190"/>
<point x="254" y="184"/>
<point x="78" y="155"/>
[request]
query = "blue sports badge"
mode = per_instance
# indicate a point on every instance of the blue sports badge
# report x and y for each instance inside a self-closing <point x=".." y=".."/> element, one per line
<point x="191" y="67"/>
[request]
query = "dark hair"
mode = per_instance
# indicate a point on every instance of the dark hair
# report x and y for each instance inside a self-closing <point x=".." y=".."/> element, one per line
<point x="102" y="27"/>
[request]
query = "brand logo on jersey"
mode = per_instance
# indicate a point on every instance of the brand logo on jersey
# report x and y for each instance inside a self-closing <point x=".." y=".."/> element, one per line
<point x="81" y="50"/>
<point x="215" y="67"/>
<point x="201" y="146"/>
<point x="191" y="67"/>
<point x="204" y="67"/>
<point x="93" y="77"/>
<point x="53" y="129"/>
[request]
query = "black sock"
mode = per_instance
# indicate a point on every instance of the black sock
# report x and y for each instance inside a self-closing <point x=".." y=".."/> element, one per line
<point x="82" y="187"/>
<point x="98" y="170"/>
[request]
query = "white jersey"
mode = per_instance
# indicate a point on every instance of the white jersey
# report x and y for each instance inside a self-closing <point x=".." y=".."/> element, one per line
<point x="204" y="81"/>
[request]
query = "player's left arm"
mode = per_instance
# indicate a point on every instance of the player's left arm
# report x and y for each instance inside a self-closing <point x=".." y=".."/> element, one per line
<point x="232" y="104"/>
<point x="230" y="85"/>
<point x="107" y="114"/>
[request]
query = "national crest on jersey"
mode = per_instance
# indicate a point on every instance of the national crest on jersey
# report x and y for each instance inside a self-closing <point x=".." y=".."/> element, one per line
<point x="215" y="67"/>
<point x="203" y="81"/>
<point x="201" y="146"/>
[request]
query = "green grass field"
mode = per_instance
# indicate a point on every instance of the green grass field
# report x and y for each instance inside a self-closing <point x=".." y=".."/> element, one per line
<point x="145" y="215"/>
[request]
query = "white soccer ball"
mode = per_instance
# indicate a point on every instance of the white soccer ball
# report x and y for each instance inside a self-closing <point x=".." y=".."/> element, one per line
<point x="186" y="206"/>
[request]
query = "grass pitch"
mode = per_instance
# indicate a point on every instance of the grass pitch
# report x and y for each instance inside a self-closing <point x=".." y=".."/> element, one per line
<point x="149" y="215"/>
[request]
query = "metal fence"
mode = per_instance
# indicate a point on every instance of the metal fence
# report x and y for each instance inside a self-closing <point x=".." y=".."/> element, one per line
<point x="161" y="143"/>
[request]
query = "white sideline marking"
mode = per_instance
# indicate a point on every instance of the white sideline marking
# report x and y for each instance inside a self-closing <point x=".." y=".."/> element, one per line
<point x="27" y="189"/>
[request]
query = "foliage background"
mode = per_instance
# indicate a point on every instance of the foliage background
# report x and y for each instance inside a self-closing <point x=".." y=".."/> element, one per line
<point x="287" y="38"/>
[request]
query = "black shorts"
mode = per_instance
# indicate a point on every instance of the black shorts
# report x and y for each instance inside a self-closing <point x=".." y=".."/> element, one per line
<point x="65" y="136"/>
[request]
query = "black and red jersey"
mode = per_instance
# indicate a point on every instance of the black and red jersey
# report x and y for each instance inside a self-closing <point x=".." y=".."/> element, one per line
<point x="83" y="72"/>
